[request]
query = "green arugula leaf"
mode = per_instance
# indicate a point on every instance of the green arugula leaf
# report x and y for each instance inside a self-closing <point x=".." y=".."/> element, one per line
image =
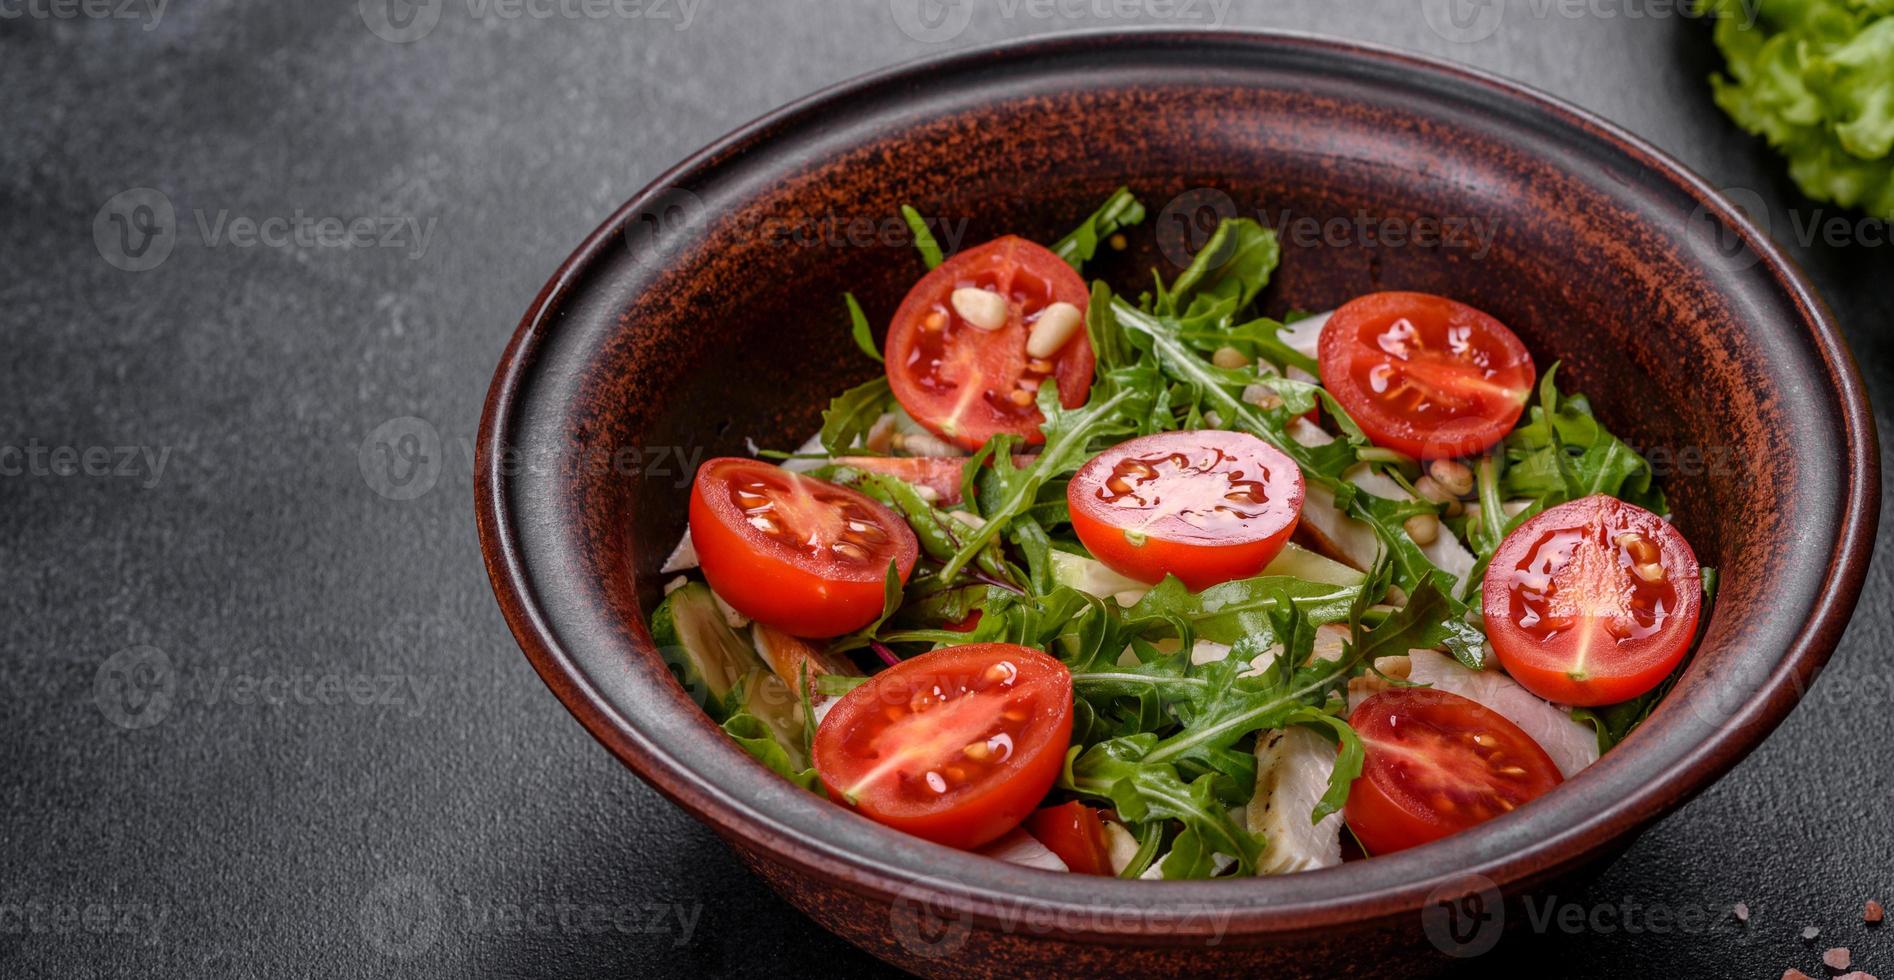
<point x="1112" y="411"/>
<point x="853" y="412"/>
<point x="1119" y="211"/>
<point x="923" y="237"/>
<point x="858" y="326"/>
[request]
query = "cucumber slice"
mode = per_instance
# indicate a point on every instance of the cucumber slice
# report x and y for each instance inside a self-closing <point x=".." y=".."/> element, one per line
<point x="1310" y="567"/>
<point x="704" y="653"/>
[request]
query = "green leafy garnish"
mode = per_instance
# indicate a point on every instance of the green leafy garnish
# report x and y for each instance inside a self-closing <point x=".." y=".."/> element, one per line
<point x="923" y="238"/>
<point x="1120" y="211"/>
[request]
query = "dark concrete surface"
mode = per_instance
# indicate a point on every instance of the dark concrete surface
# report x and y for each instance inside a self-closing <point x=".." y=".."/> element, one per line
<point x="260" y="714"/>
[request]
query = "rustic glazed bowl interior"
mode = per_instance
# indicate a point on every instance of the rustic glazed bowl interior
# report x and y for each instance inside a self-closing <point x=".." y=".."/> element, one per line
<point x="708" y="313"/>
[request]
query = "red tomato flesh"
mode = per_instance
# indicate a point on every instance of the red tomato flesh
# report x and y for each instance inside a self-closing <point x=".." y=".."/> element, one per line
<point x="1423" y="374"/>
<point x="1592" y="602"/>
<point x="1075" y="833"/>
<point x="790" y="551"/>
<point x="956" y="746"/>
<point x="1206" y="506"/>
<point x="1437" y="763"/>
<point x="966" y="384"/>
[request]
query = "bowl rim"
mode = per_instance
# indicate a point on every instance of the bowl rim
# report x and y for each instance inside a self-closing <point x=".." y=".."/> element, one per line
<point x="1751" y="721"/>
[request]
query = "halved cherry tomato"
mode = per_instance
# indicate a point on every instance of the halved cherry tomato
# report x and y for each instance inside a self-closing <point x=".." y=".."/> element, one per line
<point x="1423" y="374"/>
<point x="940" y="474"/>
<point x="956" y="746"/>
<point x="966" y="384"/>
<point x="1206" y="506"/>
<point x="1437" y="763"/>
<point x="794" y="552"/>
<point x="1074" y="832"/>
<point x="1592" y="602"/>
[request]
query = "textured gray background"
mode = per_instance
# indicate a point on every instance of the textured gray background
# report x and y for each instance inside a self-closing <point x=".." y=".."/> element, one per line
<point x="470" y="827"/>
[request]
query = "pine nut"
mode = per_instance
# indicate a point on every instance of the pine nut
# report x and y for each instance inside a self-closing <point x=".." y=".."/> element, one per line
<point x="1643" y="550"/>
<point x="1431" y="490"/>
<point x="1229" y="358"/>
<point x="1262" y="396"/>
<point x="1056" y="325"/>
<point x="1453" y="475"/>
<point x="1423" y="528"/>
<point x="983" y="308"/>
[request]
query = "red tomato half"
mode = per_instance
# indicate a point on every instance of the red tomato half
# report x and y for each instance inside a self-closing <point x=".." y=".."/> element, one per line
<point x="1436" y="764"/>
<point x="1592" y="602"/>
<point x="1206" y="506"/>
<point x="1423" y="374"/>
<point x="794" y="552"/>
<point x="956" y="746"/>
<point x="966" y="384"/>
<point x="1076" y="834"/>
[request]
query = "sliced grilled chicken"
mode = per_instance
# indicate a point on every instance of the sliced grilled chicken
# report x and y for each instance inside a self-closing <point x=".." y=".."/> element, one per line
<point x="1293" y="766"/>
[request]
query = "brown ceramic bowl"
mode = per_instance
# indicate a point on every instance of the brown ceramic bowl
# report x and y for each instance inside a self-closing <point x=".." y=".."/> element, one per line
<point x="706" y="311"/>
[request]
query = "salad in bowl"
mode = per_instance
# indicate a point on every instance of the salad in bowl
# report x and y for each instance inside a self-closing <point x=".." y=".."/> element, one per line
<point x="1151" y="585"/>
